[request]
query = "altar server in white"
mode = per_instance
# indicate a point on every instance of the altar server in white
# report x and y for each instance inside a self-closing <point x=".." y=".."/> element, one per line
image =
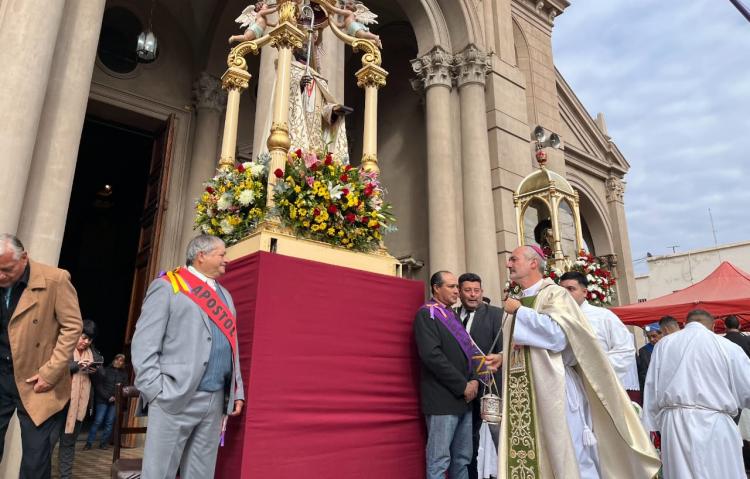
<point x="696" y="383"/>
<point x="613" y="335"/>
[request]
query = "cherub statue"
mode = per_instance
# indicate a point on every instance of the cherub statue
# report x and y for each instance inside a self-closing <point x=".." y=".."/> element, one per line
<point x="356" y="17"/>
<point x="253" y="19"/>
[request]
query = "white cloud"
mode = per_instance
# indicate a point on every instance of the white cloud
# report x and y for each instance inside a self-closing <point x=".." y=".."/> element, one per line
<point x="674" y="84"/>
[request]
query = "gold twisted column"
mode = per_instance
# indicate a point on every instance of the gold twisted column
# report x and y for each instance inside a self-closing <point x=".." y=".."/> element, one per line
<point x="233" y="81"/>
<point x="371" y="77"/>
<point x="285" y="38"/>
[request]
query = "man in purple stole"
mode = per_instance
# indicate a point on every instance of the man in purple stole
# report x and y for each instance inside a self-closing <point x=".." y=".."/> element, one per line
<point x="447" y="383"/>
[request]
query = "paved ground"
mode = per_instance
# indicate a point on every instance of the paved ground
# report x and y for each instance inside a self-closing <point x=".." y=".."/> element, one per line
<point x="95" y="463"/>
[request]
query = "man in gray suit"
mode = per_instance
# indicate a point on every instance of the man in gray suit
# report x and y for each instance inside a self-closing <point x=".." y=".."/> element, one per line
<point x="187" y="365"/>
<point x="483" y="323"/>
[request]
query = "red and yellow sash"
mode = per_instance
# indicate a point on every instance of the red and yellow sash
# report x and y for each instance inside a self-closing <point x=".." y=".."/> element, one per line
<point x="182" y="280"/>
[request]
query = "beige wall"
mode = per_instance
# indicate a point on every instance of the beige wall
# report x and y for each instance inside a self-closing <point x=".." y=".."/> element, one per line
<point x="670" y="273"/>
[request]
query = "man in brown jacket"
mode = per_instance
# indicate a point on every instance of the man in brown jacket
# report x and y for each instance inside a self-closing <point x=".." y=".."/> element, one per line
<point x="40" y="323"/>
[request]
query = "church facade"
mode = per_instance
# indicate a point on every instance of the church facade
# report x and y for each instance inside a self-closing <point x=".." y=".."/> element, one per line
<point x="104" y="156"/>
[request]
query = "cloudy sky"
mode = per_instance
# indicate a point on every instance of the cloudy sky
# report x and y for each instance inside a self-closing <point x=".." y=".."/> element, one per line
<point x="673" y="80"/>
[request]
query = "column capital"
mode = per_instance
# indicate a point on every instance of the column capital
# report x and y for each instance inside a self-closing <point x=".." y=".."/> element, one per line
<point x="471" y="66"/>
<point x="208" y="94"/>
<point x="431" y="69"/>
<point x="615" y="189"/>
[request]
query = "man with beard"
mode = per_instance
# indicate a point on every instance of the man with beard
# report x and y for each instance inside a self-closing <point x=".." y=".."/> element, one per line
<point x="564" y="408"/>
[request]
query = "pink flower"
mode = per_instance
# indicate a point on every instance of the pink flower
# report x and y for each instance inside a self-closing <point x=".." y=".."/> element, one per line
<point x="310" y="180"/>
<point x="311" y="159"/>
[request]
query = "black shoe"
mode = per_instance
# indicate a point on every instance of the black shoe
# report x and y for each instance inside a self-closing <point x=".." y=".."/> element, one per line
<point x="87" y="447"/>
<point x="103" y="446"/>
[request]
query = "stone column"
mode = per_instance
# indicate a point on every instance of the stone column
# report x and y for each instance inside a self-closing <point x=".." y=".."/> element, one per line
<point x="45" y="206"/>
<point x="626" y="291"/>
<point x="433" y="72"/>
<point x="209" y="100"/>
<point x="471" y="67"/>
<point x="28" y="35"/>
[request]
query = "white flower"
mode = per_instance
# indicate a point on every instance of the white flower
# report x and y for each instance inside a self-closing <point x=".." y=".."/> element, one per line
<point x="247" y="165"/>
<point x="205" y="228"/>
<point x="335" y="191"/>
<point x="246" y="197"/>
<point x="226" y="227"/>
<point x="224" y="202"/>
<point x="257" y="169"/>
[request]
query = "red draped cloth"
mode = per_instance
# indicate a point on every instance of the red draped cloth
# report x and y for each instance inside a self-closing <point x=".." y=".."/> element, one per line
<point x="330" y="372"/>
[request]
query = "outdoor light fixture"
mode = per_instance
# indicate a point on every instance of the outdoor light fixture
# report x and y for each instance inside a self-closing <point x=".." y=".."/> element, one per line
<point x="147" y="43"/>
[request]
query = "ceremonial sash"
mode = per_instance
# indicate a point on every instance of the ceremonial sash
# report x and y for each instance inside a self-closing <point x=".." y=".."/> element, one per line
<point x="199" y="292"/>
<point x="474" y="355"/>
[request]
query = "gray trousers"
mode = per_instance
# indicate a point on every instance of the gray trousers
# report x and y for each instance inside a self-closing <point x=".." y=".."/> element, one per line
<point x="188" y="441"/>
<point x="67" y="451"/>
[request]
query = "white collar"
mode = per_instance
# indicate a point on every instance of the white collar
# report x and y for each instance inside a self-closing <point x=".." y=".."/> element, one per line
<point x="534" y="289"/>
<point x="211" y="282"/>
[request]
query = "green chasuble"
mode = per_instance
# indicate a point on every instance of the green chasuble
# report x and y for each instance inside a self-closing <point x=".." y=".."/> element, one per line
<point x="520" y="411"/>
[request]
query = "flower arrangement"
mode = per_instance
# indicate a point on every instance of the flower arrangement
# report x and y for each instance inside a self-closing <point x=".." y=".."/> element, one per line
<point x="601" y="283"/>
<point x="321" y="198"/>
<point x="234" y="201"/>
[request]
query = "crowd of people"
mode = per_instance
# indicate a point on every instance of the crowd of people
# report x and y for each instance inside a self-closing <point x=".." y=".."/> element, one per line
<point x="50" y="373"/>
<point x="572" y="383"/>
<point x="568" y="371"/>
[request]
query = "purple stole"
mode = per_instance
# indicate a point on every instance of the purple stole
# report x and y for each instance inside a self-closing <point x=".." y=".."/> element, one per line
<point x="474" y="355"/>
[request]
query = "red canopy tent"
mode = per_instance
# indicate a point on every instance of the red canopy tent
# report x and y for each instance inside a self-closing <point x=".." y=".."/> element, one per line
<point x="724" y="292"/>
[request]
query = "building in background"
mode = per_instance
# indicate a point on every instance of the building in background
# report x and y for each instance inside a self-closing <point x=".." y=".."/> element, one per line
<point x="672" y="272"/>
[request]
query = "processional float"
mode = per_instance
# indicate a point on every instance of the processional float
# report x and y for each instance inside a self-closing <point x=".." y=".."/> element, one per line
<point x="291" y="33"/>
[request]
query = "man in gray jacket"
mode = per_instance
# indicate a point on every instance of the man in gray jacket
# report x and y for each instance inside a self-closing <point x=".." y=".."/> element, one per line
<point x="187" y="365"/>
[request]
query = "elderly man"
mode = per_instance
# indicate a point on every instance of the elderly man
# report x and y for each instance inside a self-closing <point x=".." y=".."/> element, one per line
<point x="40" y="323"/>
<point x="695" y="385"/>
<point x="613" y="336"/>
<point x="448" y="382"/>
<point x="187" y="365"/>
<point x="566" y="415"/>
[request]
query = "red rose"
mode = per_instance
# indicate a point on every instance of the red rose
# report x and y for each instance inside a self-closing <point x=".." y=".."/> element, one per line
<point x="344" y="178"/>
<point x="316" y="212"/>
<point x="368" y="191"/>
<point x="209" y="190"/>
<point x="332" y="209"/>
<point x="347" y="167"/>
<point x="365" y="219"/>
<point x="376" y="226"/>
<point x="279" y="173"/>
<point x="329" y="159"/>
<point x="298" y="153"/>
<point x="552" y="275"/>
<point x="345" y="191"/>
<point x="240" y="168"/>
<point x="351" y="217"/>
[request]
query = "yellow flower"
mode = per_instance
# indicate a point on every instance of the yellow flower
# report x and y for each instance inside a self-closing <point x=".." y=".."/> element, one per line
<point x="316" y="185"/>
<point x="302" y="212"/>
<point x="292" y="212"/>
<point x="345" y="241"/>
<point x="306" y="224"/>
<point x="331" y="231"/>
<point x="315" y="227"/>
<point x="322" y="226"/>
<point x="297" y="189"/>
<point x="341" y="233"/>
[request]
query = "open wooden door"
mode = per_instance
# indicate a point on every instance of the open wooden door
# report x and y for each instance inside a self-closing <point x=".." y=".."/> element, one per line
<point x="147" y="258"/>
<point x="152" y="220"/>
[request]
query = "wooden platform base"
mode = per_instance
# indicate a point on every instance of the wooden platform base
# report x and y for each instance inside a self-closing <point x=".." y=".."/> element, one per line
<point x="273" y="238"/>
